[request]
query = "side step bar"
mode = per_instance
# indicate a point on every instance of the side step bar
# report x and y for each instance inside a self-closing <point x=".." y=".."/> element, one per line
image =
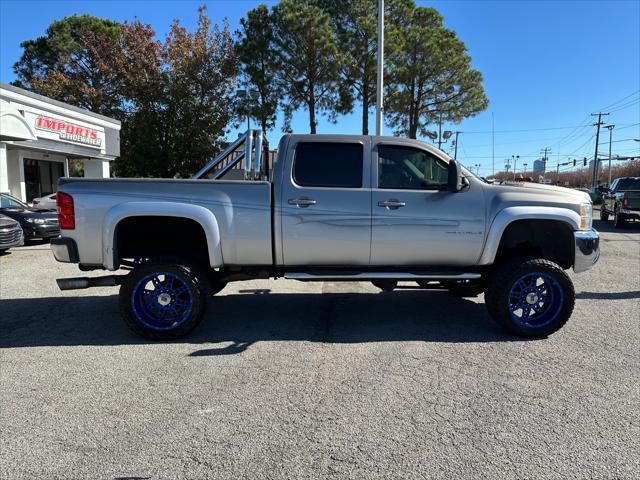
<point x="368" y="276"/>
<point x="78" y="283"/>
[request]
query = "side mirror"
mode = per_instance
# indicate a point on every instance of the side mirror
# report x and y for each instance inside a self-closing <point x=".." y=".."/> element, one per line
<point x="454" y="180"/>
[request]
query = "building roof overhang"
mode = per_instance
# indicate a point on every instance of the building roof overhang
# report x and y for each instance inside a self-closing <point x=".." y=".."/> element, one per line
<point x="13" y="125"/>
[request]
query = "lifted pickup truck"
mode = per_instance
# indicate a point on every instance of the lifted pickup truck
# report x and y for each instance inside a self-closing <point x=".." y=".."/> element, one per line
<point x="622" y="200"/>
<point x="331" y="207"/>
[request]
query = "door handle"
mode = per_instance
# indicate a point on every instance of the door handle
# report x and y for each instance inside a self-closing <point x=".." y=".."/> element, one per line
<point x="392" y="204"/>
<point x="302" y="202"/>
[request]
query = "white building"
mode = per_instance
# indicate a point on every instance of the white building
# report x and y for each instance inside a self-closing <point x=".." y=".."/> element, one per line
<point x="38" y="137"/>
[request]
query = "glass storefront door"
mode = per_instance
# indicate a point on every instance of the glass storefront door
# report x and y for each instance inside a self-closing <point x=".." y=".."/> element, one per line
<point x="41" y="177"/>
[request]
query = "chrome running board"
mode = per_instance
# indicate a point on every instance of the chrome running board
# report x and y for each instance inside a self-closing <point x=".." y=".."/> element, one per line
<point x="368" y="276"/>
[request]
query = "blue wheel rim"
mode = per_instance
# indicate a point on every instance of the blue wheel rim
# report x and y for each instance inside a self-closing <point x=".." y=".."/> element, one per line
<point x="162" y="301"/>
<point x="535" y="300"/>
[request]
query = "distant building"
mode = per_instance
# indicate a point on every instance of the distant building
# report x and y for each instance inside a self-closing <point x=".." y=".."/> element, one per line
<point x="538" y="166"/>
<point x="599" y="165"/>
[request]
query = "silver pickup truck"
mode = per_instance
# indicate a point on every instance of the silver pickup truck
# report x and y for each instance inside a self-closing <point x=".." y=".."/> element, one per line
<point x="329" y="207"/>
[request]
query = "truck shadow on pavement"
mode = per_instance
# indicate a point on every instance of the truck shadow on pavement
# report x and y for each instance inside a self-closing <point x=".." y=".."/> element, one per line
<point x="630" y="227"/>
<point x="246" y="318"/>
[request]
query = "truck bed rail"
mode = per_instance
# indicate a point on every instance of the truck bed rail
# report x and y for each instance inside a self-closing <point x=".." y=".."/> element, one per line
<point x="251" y="144"/>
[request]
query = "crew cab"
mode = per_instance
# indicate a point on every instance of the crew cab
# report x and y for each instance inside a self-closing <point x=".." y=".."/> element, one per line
<point x="622" y="200"/>
<point x="330" y="207"/>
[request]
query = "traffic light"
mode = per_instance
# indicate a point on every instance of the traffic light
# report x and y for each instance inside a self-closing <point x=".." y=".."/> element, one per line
<point x="584" y="162"/>
<point x="574" y="162"/>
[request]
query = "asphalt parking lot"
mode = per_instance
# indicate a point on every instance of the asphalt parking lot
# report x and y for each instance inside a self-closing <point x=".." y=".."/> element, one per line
<point x="333" y="380"/>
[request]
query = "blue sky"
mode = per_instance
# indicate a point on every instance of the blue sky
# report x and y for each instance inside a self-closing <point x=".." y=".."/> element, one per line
<point x="547" y="65"/>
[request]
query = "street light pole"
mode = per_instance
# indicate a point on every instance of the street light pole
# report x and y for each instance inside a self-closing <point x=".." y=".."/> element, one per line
<point x="379" y="84"/>
<point x="455" y="152"/>
<point x="525" y="169"/>
<point x="610" y="128"/>
<point x="515" y="161"/>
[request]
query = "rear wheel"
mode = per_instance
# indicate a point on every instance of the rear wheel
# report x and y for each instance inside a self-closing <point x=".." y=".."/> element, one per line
<point x="530" y="297"/>
<point x="163" y="301"/>
<point x="618" y="219"/>
<point x="604" y="215"/>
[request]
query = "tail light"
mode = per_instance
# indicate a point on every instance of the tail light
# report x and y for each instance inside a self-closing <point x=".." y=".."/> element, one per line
<point x="66" y="213"/>
<point x="625" y="201"/>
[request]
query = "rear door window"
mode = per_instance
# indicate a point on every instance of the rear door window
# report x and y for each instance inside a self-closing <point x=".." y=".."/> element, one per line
<point x="324" y="164"/>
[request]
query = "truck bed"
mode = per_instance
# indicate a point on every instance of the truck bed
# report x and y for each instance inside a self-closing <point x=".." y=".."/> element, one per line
<point x="242" y="210"/>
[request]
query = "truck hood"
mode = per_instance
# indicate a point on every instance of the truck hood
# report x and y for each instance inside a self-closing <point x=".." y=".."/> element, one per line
<point x="499" y="197"/>
<point x="549" y="190"/>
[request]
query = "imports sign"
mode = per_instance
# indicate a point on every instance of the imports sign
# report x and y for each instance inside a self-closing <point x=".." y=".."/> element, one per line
<point x="69" y="131"/>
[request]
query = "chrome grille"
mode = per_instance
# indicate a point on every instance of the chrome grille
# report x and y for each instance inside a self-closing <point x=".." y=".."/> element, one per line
<point x="10" y="235"/>
<point x="51" y="221"/>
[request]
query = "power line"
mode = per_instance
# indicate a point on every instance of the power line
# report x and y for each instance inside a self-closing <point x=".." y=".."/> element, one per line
<point x="621" y="100"/>
<point x="629" y="126"/>
<point x="525" y="129"/>
<point x="625" y="106"/>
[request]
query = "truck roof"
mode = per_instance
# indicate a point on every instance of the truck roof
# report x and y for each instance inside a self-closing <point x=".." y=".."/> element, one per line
<point x="308" y="137"/>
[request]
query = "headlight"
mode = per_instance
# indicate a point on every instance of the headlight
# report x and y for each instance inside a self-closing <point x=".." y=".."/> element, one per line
<point x="37" y="221"/>
<point x="586" y="216"/>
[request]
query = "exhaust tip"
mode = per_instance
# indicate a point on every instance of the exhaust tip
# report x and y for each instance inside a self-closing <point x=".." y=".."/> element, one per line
<point x="72" y="283"/>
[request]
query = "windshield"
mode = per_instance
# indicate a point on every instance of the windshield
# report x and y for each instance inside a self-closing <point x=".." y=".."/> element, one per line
<point x="628" y="184"/>
<point x="10" y="202"/>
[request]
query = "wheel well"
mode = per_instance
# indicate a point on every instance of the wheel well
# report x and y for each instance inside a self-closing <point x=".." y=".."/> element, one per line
<point x="549" y="239"/>
<point x="156" y="236"/>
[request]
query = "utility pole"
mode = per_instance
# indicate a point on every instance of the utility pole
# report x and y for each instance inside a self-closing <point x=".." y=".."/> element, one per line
<point x="545" y="157"/>
<point x="525" y="169"/>
<point x="558" y="171"/>
<point x="440" y="132"/>
<point x="379" y="83"/>
<point x="594" y="176"/>
<point x="493" y="146"/>
<point x="455" y="152"/>
<point x="610" y="128"/>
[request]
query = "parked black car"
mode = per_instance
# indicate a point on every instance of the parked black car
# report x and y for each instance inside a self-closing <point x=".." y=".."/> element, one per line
<point x="35" y="223"/>
<point x="10" y="234"/>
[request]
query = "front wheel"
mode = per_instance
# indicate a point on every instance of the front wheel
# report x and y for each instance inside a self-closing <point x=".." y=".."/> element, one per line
<point x="530" y="297"/>
<point x="163" y="301"/>
<point x="618" y="219"/>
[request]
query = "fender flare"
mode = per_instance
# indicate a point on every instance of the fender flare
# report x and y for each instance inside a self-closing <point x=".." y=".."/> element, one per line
<point x="205" y="218"/>
<point x="509" y="215"/>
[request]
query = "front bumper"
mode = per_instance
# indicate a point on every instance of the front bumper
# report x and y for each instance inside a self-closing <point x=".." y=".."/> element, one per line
<point x="11" y="236"/>
<point x="65" y="250"/>
<point x="587" y="250"/>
